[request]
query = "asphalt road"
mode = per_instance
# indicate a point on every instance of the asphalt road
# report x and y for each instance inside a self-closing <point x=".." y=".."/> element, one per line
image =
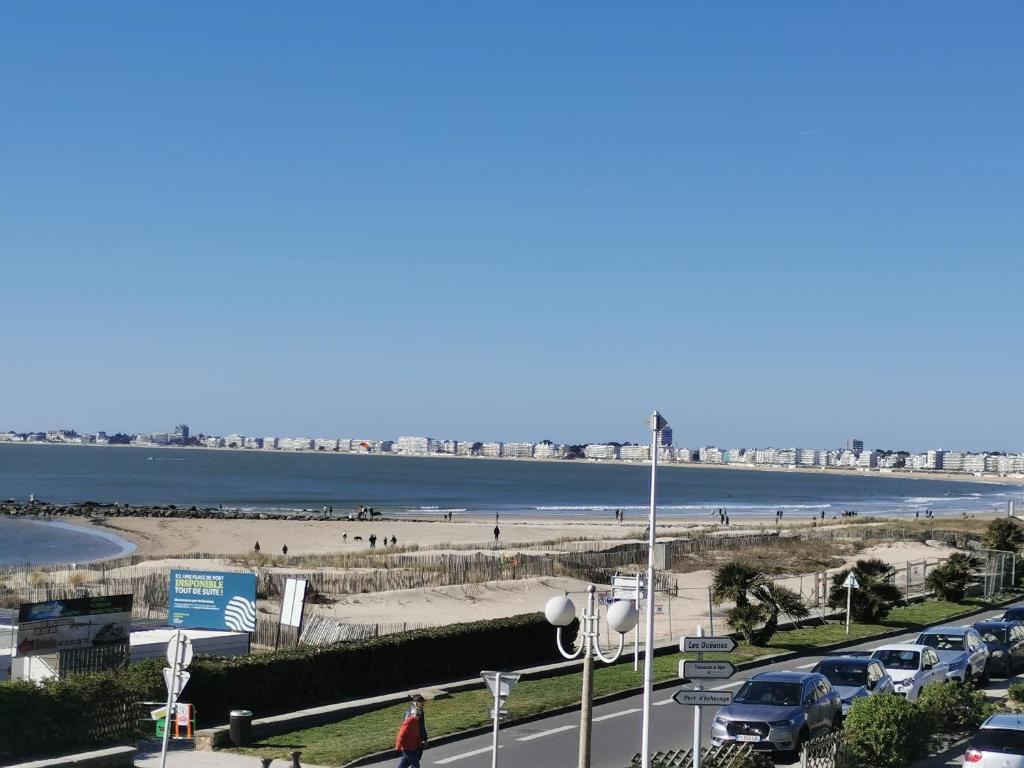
<point x="554" y="741"/>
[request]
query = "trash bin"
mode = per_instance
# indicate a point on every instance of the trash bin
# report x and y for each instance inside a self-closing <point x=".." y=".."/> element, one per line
<point x="240" y="727"/>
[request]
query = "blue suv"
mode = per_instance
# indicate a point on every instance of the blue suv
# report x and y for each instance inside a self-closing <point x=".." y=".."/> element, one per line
<point x="961" y="648"/>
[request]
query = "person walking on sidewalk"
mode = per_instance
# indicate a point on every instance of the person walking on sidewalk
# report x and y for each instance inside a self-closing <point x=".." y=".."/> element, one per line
<point x="412" y="735"/>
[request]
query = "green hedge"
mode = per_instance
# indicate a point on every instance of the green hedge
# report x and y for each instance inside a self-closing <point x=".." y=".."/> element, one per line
<point x="308" y="676"/>
<point x="83" y="711"/>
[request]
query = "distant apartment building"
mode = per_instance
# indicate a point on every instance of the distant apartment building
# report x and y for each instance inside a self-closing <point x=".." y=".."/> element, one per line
<point x="295" y="443"/>
<point x="635" y="453"/>
<point x="953" y="461"/>
<point x="936" y="460"/>
<point x="325" y="444"/>
<point x="855" y="445"/>
<point x="687" y="455"/>
<point x="419" y="446"/>
<point x="807" y="457"/>
<point x="665" y="438"/>
<point x="234" y="441"/>
<point x="269" y="443"/>
<point x="252" y="443"/>
<point x="548" y="450"/>
<point x="181" y="434"/>
<point x="975" y="462"/>
<point x="450" y="447"/>
<point x="766" y="456"/>
<point x="213" y="442"/>
<point x="491" y="450"/>
<point x="787" y="456"/>
<point x="517" y="450"/>
<point x="709" y="454"/>
<point x="602" y="451"/>
<point x="868" y="459"/>
<point x="468" y="448"/>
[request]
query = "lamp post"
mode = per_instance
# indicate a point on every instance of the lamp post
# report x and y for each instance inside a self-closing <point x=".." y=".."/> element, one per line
<point x="656" y="422"/>
<point x="622" y="617"/>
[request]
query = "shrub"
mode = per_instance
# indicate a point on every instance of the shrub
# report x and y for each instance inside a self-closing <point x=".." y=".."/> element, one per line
<point x="953" y="707"/>
<point x="873" y="599"/>
<point x="886" y="731"/>
<point x="1017" y="693"/>
<point x="742" y="583"/>
<point x="1003" y="533"/>
<point x="296" y="678"/>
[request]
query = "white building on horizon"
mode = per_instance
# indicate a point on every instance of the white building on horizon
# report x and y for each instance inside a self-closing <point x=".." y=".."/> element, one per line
<point x="417" y="446"/>
<point x="517" y="450"/>
<point x="601" y="451"/>
<point x="635" y="453"/>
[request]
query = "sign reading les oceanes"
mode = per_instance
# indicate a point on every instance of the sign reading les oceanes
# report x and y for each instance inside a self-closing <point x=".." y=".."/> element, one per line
<point x="707" y="644"/>
<point x="212" y="600"/>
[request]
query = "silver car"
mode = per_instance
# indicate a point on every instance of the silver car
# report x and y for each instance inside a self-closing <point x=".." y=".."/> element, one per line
<point x="911" y="667"/>
<point x="855" y="677"/>
<point x="961" y="649"/>
<point x="778" y="711"/>
<point x="999" y="743"/>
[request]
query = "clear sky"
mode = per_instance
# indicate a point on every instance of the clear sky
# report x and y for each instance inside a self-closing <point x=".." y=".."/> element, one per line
<point x="780" y="224"/>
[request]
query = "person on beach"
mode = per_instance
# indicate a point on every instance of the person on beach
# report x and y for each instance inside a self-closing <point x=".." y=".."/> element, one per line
<point x="497" y="533"/>
<point x="344" y="537"/>
<point x="412" y="735"/>
<point x="373" y="541"/>
<point x="394" y="540"/>
<point x="256" y="549"/>
<point x="284" y="550"/>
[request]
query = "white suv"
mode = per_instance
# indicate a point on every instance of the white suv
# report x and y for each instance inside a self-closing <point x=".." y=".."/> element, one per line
<point x="911" y="667"/>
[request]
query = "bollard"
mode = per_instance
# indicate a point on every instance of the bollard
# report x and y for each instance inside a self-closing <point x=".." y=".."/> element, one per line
<point x="266" y="761"/>
<point x="295" y="759"/>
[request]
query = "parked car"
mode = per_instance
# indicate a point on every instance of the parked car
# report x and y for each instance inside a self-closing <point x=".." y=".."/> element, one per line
<point x="855" y="677"/>
<point x="911" y="667"/>
<point x="999" y="743"/>
<point x="1014" y="614"/>
<point x="961" y="649"/>
<point x="778" y="711"/>
<point x="1005" y="641"/>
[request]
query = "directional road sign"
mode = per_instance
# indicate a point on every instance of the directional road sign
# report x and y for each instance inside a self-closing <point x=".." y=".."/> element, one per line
<point x="706" y="670"/>
<point x="690" y="698"/>
<point x="184" y="652"/>
<point x="708" y="644"/>
<point x="175" y="686"/>
<point x="851" y="581"/>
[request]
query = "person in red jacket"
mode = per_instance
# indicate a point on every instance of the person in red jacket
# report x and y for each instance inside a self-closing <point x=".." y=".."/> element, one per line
<point x="412" y="736"/>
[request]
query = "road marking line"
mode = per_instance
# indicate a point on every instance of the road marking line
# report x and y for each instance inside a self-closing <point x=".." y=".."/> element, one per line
<point x="616" y="714"/>
<point x="453" y="758"/>
<point x="807" y="666"/>
<point x="728" y="685"/>
<point x="533" y="736"/>
<point x="663" y="703"/>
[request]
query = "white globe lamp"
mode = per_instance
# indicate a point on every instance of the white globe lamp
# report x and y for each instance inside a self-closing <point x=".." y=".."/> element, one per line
<point x="560" y="611"/>
<point x="622" y="616"/>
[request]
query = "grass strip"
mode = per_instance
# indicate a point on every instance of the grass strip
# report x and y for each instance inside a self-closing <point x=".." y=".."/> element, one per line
<point x="339" y="743"/>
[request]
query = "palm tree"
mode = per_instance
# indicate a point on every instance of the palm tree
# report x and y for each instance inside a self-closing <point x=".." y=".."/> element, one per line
<point x="949" y="580"/>
<point x="874" y="598"/>
<point x="758" y="601"/>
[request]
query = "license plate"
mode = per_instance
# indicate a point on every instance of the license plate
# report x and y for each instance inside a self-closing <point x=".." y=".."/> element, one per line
<point x="745" y="737"/>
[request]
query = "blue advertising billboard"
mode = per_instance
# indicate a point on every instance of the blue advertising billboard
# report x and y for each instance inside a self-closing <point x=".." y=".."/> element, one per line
<point x="212" y="600"/>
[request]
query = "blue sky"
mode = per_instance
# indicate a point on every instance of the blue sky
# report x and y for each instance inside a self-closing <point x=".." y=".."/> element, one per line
<point x="778" y="224"/>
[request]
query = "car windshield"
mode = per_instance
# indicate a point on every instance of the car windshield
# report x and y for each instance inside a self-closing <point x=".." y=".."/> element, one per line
<point x="999" y="740"/>
<point x="839" y="673"/>
<point x="769" y="692"/>
<point x="1014" y="614"/>
<point x="993" y="635"/>
<point x="943" y="642"/>
<point x="893" y="659"/>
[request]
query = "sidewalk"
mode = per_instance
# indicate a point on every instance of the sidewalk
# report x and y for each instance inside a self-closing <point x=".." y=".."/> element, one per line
<point x="182" y="755"/>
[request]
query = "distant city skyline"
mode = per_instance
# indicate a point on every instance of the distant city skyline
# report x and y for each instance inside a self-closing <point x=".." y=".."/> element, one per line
<point x="775" y="225"/>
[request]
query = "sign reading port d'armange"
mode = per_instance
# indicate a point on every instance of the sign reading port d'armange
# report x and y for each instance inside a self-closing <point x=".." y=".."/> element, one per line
<point x="212" y="600"/>
<point x="66" y="625"/>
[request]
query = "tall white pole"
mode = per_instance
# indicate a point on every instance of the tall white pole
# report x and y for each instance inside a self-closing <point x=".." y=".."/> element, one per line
<point x="497" y="712"/>
<point x="697" y="710"/>
<point x="849" y="596"/>
<point x="170" y="697"/>
<point x="636" y="633"/>
<point x="645" y="741"/>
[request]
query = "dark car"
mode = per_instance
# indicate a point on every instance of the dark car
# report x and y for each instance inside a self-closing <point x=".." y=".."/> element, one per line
<point x="778" y="711"/>
<point x="1005" y="641"/>
<point x="1014" y="614"/>
<point x="855" y="677"/>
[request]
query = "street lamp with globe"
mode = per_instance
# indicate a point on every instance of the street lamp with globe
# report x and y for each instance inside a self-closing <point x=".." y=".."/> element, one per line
<point x="622" y="617"/>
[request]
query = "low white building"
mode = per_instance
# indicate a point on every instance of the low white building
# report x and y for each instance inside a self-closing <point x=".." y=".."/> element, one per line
<point x="235" y="441"/>
<point x="253" y="443"/>
<point x="492" y="450"/>
<point x="709" y="454"/>
<point x="467" y="448"/>
<point x="635" y="453"/>
<point x="548" y="450"/>
<point x="517" y="450"/>
<point x="417" y="446"/>
<point x="325" y="444"/>
<point x="953" y="461"/>
<point x="867" y="459"/>
<point x="269" y="443"/>
<point x="975" y="462"/>
<point x="601" y="451"/>
<point x="807" y="457"/>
